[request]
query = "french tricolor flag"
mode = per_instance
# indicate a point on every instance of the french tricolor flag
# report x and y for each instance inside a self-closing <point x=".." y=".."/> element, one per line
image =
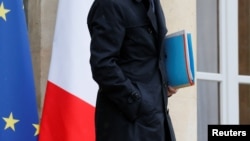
<point x="69" y="104"/>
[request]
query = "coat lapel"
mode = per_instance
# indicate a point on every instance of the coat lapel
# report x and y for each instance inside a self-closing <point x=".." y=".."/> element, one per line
<point x="152" y="16"/>
<point x="157" y="19"/>
<point x="162" y="30"/>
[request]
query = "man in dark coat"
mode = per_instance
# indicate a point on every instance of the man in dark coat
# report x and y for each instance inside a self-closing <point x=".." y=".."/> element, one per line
<point x="127" y="62"/>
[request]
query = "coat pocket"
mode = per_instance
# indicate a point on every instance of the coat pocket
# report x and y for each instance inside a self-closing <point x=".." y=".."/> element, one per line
<point x="148" y="99"/>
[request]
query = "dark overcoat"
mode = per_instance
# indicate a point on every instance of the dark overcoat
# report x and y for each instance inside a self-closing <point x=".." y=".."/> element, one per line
<point x="127" y="62"/>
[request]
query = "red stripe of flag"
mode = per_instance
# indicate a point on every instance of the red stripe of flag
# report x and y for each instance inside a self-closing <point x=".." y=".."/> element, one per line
<point x="66" y="117"/>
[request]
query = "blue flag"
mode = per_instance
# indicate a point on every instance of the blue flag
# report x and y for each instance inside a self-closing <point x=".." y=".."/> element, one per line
<point x="18" y="107"/>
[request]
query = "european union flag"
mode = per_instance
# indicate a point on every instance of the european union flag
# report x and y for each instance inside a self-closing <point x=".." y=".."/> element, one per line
<point x="18" y="107"/>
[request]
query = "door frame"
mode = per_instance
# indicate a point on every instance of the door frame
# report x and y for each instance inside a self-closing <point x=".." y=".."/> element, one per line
<point x="228" y="77"/>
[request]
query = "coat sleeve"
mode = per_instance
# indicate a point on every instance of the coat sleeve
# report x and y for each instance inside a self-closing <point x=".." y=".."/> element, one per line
<point x="107" y="30"/>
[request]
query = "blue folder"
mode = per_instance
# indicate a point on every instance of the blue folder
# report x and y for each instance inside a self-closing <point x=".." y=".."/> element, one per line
<point x="179" y="61"/>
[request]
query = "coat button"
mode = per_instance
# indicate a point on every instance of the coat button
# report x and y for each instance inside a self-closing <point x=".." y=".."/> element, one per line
<point x="150" y="30"/>
<point x="165" y="84"/>
<point x="134" y="96"/>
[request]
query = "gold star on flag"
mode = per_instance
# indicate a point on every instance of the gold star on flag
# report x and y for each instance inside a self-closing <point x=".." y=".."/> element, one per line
<point x="37" y="129"/>
<point x="3" y="11"/>
<point x="10" y="122"/>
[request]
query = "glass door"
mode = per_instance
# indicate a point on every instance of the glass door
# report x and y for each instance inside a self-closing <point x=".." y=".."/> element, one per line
<point x="217" y="64"/>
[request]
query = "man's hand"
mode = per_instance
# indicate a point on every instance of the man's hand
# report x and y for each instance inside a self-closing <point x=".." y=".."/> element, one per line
<point x="171" y="91"/>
